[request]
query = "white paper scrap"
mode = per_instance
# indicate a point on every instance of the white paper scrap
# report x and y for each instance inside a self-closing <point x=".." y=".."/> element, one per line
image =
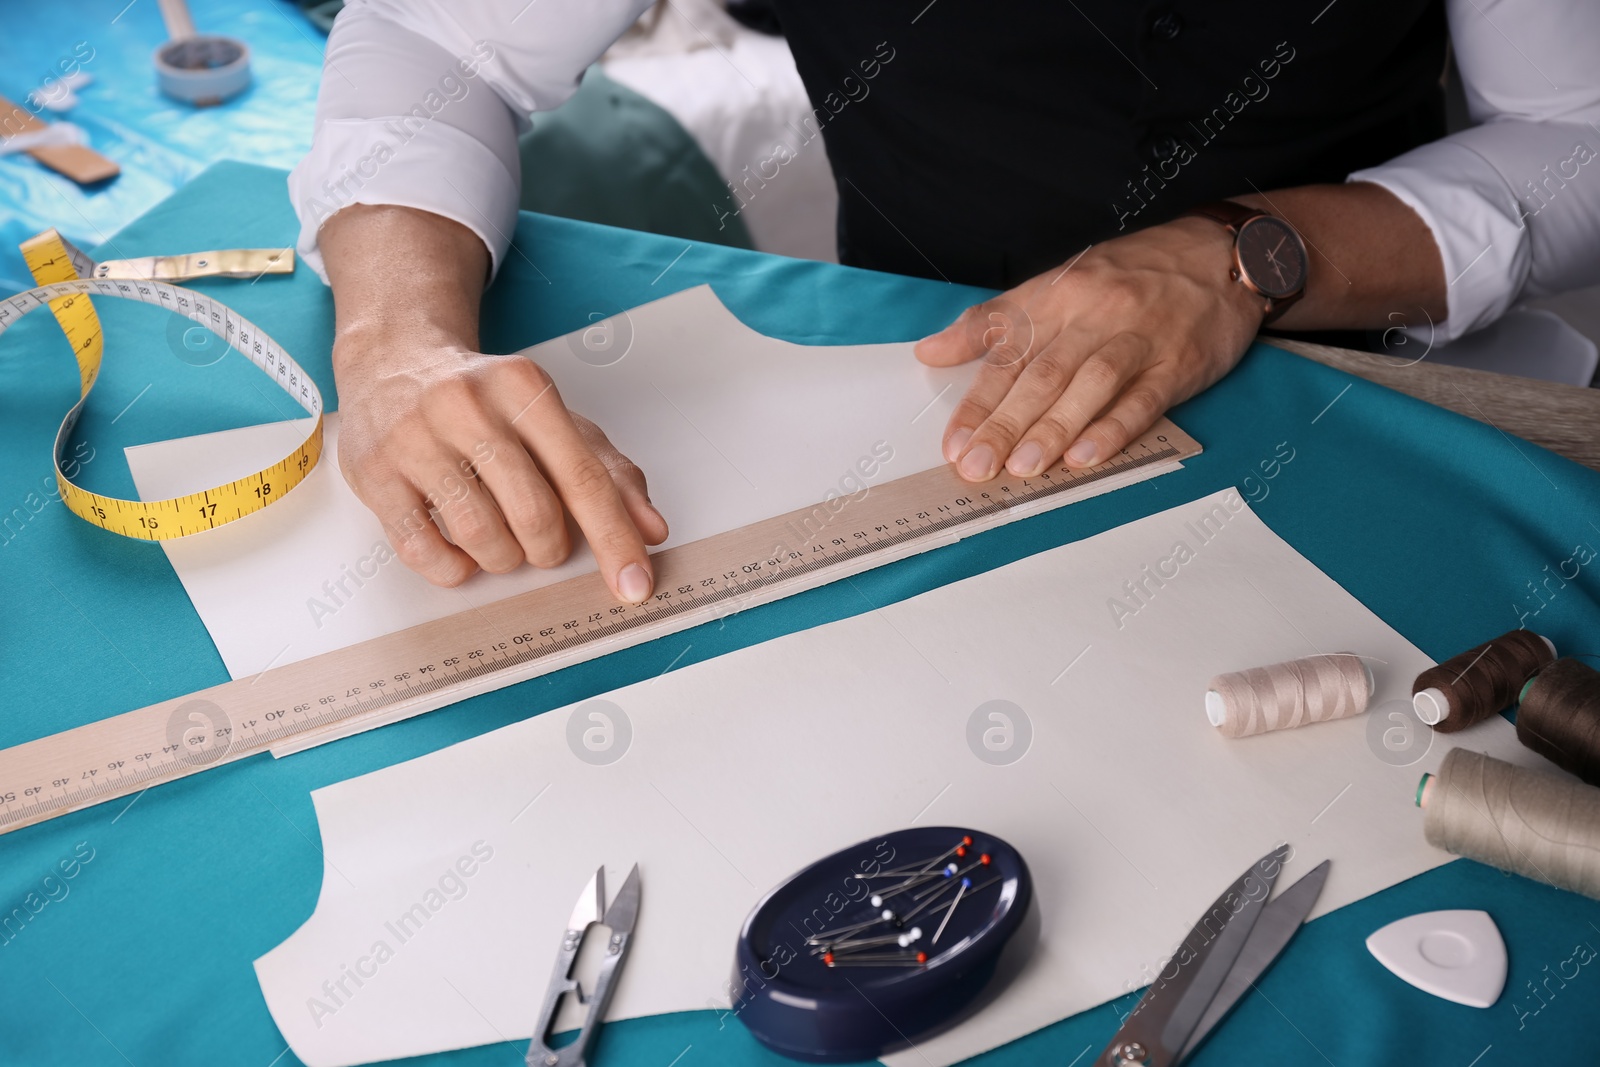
<point x="449" y="879"/>
<point x="730" y="427"/>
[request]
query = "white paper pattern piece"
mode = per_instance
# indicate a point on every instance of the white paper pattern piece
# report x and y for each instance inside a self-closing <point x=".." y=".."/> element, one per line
<point x="1131" y="809"/>
<point x="730" y="426"/>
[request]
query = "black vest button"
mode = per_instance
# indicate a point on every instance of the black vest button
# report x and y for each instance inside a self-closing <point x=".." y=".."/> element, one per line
<point x="1167" y="26"/>
<point x="1163" y="148"/>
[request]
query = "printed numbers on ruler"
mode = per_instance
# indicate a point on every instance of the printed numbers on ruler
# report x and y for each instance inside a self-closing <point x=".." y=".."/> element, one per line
<point x="300" y="704"/>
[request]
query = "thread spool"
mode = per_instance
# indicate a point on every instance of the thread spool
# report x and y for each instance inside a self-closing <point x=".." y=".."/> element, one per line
<point x="1285" y="695"/>
<point x="1531" y="823"/>
<point x="1469" y="688"/>
<point x="1558" y="717"/>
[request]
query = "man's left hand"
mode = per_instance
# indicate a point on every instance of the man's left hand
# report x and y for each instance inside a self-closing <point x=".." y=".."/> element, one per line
<point x="1083" y="359"/>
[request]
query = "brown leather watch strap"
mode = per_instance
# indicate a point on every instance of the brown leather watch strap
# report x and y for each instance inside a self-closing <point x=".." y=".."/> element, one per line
<point x="1229" y="214"/>
<point x="1233" y="217"/>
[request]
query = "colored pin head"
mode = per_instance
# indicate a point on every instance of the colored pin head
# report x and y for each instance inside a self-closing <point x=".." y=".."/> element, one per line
<point x="884" y="948"/>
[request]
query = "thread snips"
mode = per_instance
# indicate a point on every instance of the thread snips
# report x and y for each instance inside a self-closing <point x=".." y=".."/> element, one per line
<point x="590" y="910"/>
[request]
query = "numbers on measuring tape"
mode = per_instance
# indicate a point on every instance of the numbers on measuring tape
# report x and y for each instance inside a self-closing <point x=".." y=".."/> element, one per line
<point x="301" y="704"/>
<point x="65" y="281"/>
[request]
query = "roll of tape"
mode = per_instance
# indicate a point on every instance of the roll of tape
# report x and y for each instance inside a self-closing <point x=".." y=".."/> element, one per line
<point x="203" y="69"/>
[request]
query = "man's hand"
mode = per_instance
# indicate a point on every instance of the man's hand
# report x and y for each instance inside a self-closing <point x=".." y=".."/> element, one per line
<point x="430" y="426"/>
<point x="1083" y="359"/>
<point x="485" y="442"/>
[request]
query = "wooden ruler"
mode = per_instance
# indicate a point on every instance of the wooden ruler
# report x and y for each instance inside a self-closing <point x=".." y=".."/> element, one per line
<point x="79" y="162"/>
<point x="298" y="705"/>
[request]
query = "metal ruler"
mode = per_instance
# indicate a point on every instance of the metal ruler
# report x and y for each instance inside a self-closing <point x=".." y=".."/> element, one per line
<point x="389" y="678"/>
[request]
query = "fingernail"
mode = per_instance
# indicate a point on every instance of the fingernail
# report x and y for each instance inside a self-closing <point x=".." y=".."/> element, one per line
<point x="633" y="583"/>
<point x="1083" y="453"/>
<point x="977" y="465"/>
<point x="1027" y="459"/>
<point x="956" y="442"/>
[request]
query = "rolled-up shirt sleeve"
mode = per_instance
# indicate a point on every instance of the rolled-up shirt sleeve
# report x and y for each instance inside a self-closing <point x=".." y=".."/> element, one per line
<point x="421" y="103"/>
<point x="1513" y="202"/>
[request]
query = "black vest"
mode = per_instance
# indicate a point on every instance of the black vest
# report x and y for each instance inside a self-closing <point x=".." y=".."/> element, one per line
<point x="987" y="142"/>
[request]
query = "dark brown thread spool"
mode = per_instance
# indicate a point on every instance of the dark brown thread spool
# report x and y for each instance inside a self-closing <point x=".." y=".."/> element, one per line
<point x="1559" y="717"/>
<point x="1471" y="687"/>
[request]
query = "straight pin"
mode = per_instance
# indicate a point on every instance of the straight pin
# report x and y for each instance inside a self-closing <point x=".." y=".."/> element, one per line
<point x="952" y="872"/>
<point x="966" y="883"/>
<point x="910" y="883"/>
<point x="990" y="882"/>
<point x="876" y="961"/>
<point x="920" y="908"/>
<point x="904" y="940"/>
<point x="926" y="904"/>
<point x="835" y="934"/>
<point x="965" y="842"/>
<point x="982" y="861"/>
<point x="827" y="937"/>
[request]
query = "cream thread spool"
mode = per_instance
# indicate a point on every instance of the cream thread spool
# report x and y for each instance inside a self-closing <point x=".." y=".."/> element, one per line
<point x="1281" y="696"/>
<point x="1533" y="823"/>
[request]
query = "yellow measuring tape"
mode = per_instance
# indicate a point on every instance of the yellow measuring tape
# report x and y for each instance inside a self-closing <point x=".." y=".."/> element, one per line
<point x="67" y="278"/>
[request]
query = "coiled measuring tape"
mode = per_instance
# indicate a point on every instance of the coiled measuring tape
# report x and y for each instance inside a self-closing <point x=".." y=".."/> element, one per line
<point x="67" y="278"/>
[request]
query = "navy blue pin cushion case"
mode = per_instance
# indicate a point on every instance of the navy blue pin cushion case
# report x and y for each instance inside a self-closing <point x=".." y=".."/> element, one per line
<point x="884" y="943"/>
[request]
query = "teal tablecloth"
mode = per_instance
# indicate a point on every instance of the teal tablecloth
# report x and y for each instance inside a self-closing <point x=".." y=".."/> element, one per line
<point x="1443" y="526"/>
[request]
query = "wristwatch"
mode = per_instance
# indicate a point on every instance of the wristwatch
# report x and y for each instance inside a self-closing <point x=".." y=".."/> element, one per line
<point x="1269" y="258"/>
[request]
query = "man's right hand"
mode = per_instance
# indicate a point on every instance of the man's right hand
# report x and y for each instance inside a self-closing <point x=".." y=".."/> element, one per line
<point x="434" y="434"/>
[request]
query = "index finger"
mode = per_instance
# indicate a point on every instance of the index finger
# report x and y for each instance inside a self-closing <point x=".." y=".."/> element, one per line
<point x="585" y="486"/>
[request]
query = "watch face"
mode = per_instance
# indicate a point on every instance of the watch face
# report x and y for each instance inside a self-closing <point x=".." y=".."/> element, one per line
<point x="1272" y="257"/>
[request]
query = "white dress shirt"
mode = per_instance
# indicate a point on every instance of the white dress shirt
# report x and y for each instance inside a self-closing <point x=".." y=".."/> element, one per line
<point x="421" y="103"/>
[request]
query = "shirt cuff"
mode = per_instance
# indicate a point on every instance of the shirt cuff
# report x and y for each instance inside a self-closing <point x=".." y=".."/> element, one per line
<point x="1477" y="224"/>
<point x="435" y="168"/>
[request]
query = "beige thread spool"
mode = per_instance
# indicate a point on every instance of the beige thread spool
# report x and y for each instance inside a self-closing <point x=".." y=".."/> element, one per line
<point x="1281" y="696"/>
<point x="1533" y="823"/>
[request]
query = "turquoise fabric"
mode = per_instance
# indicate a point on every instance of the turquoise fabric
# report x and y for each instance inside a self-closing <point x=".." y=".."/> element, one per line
<point x="1437" y="523"/>
<point x="159" y="142"/>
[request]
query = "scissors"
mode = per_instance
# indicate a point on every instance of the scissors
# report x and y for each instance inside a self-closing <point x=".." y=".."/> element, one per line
<point x="590" y="909"/>
<point x="1232" y="946"/>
